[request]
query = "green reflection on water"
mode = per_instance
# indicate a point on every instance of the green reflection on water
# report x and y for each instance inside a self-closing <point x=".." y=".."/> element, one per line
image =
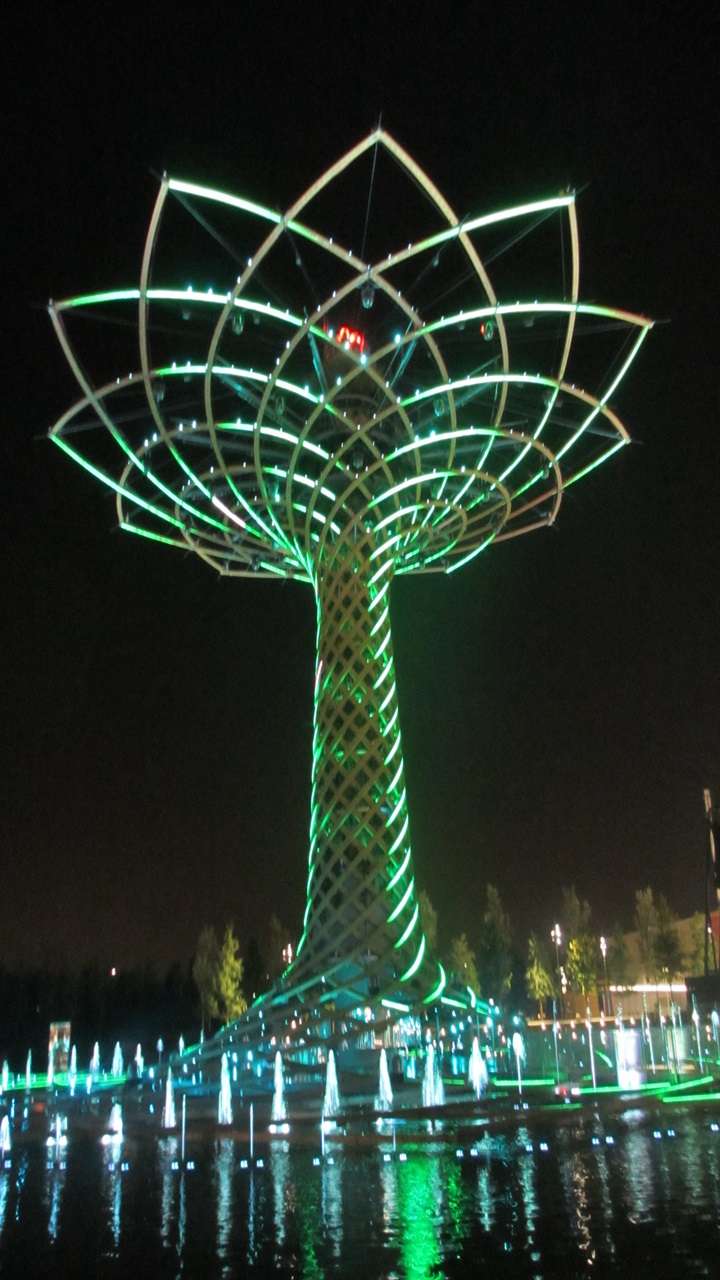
<point x="419" y="1204"/>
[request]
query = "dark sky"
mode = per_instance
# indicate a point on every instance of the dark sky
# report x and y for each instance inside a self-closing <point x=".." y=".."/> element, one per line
<point x="560" y="696"/>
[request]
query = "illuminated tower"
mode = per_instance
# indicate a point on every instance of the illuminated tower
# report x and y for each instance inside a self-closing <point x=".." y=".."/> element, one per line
<point x="340" y="418"/>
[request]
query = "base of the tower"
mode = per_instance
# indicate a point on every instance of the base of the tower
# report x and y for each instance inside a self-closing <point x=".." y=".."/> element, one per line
<point x="305" y="1014"/>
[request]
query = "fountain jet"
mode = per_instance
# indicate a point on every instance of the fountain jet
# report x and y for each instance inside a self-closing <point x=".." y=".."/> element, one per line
<point x="169" y="1120"/>
<point x="477" y="1072"/>
<point x="384" y="1099"/>
<point x="225" y="1115"/>
<point x="433" y="1089"/>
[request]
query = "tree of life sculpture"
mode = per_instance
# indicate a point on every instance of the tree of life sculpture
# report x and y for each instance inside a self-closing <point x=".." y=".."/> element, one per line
<point x="342" y="418"/>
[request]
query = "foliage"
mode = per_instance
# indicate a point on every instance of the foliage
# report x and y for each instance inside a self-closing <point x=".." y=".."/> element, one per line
<point x="581" y="963"/>
<point x="217" y="973"/>
<point x="204" y="972"/>
<point x="617" y="956"/>
<point x="695" y="958"/>
<point x="668" y="952"/>
<point x="494" y="953"/>
<point x="646" y="923"/>
<point x="575" y="918"/>
<point x="538" y="976"/>
<point x="463" y="962"/>
<point x="428" y="916"/>
<point x="277" y="941"/>
<point x="254" y="972"/>
<point x="230" y="999"/>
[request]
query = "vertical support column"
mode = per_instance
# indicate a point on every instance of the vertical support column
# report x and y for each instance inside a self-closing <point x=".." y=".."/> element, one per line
<point x="362" y="905"/>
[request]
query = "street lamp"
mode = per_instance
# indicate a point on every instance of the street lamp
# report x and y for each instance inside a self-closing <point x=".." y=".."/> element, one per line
<point x="556" y="937"/>
<point x="603" y="950"/>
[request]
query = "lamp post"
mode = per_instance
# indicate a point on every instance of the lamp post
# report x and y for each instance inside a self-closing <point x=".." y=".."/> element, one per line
<point x="603" y="951"/>
<point x="556" y="937"/>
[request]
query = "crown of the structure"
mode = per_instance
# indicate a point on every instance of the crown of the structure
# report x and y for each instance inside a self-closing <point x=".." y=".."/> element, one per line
<point x="399" y="388"/>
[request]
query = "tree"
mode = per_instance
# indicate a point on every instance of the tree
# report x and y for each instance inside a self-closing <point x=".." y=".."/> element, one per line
<point x="581" y="963"/>
<point x="230" y="999"/>
<point x="254" y="972"/>
<point x="463" y="962"/>
<point x="668" y="952"/>
<point x="695" y="958"/>
<point x="428" y="916"/>
<point x="278" y="939"/>
<point x="617" y="956"/>
<point x="494" y="953"/>
<point x="576" y="913"/>
<point x="204" y="972"/>
<point x="538" y="977"/>
<point x="646" y="923"/>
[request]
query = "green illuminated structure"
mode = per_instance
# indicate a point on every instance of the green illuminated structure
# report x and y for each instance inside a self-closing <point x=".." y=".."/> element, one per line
<point x="342" y="418"/>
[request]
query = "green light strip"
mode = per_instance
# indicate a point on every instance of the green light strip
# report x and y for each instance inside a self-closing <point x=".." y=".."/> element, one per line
<point x="405" y="977"/>
<point x="532" y="1082"/>
<point x="398" y="775"/>
<point x="396" y="845"/>
<point x="403" y="901"/>
<point x="380" y="621"/>
<point x="529" y="308"/>
<point x="396" y="743"/>
<point x="223" y="197"/>
<point x="395" y="811"/>
<point x="598" y="461"/>
<point x="390" y="723"/>
<point x="690" y="1097"/>
<point x="153" y="537"/>
<point x="454" y="1004"/>
<point x="402" y="868"/>
<point x="379" y="572"/>
<point x="112" y="484"/>
<point x="438" y="989"/>
<point x="474" y="224"/>
<point x="406" y="934"/>
<point x="384" y="673"/>
<point x="396" y="1005"/>
<point x="601" y="403"/>
<point x="404" y="511"/>
<point x="684" y="1085"/>
<point x="377" y="598"/>
<point x="388" y="698"/>
<point x="472" y="554"/>
<point x="180" y="295"/>
<point x="233" y="371"/>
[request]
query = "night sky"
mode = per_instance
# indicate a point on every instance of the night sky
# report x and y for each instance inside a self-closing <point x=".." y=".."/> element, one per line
<point x="559" y="696"/>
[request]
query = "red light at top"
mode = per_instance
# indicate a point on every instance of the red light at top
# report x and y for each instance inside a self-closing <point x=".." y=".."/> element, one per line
<point x="353" y="337"/>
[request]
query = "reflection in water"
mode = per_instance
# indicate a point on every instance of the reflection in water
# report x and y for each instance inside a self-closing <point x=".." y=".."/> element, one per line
<point x="309" y="1223"/>
<point x="388" y="1188"/>
<point x="332" y="1206"/>
<point x="224" y="1161"/>
<point x="639" y="1174"/>
<point x="484" y="1197"/>
<point x="167" y="1155"/>
<point x="528" y="1194"/>
<point x="113" y="1190"/>
<point x="456" y="1199"/>
<point x="575" y="1180"/>
<point x="420" y="1203"/>
<point x="571" y="1205"/>
<point x="182" y="1218"/>
<point x="4" y="1193"/>
<point x="603" y="1187"/>
<point x="279" y="1168"/>
<point x="53" y="1198"/>
<point x="251" y="1245"/>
